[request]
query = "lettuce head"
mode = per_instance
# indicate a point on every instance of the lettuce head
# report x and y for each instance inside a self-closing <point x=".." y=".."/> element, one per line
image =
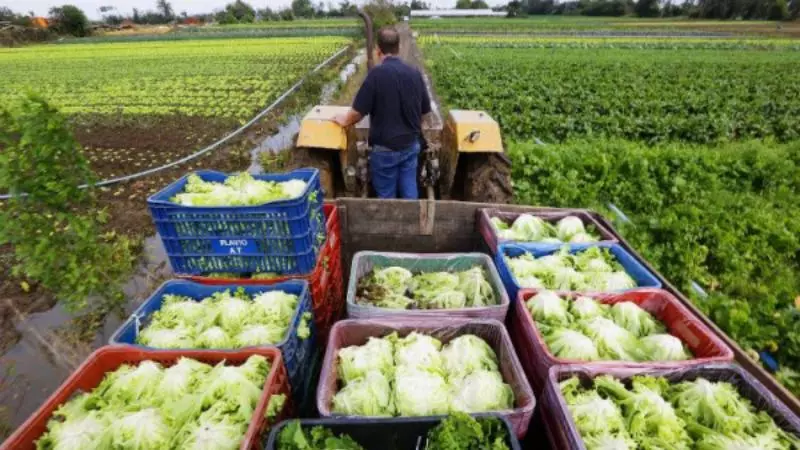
<point x="569" y="344"/>
<point x="420" y="393"/>
<point x="370" y="395"/>
<point x="482" y="391"/>
<point x="548" y="307"/>
<point x="376" y="355"/>
<point x="466" y="354"/>
<point x="419" y="351"/>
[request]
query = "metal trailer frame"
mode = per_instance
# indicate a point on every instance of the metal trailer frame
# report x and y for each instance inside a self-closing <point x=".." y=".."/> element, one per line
<point x="425" y="226"/>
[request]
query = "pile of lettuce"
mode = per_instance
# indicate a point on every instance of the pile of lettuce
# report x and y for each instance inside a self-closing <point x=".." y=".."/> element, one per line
<point x="190" y="405"/>
<point x="397" y="288"/>
<point x="653" y="414"/>
<point x="463" y="432"/>
<point x="593" y="269"/>
<point x="417" y="376"/>
<point x="530" y="228"/>
<point x="237" y="190"/>
<point x="294" y="437"/>
<point x="223" y="321"/>
<point x="585" y="329"/>
<point x="456" y="432"/>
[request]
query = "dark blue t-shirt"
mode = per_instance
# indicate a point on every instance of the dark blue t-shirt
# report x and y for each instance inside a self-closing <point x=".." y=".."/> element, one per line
<point x="395" y="98"/>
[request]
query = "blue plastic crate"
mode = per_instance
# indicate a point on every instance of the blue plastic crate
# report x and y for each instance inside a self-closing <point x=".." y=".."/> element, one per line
<point x="297" y="352"/>
<point x="636" y="270"/>
<point x="283" y="237"/>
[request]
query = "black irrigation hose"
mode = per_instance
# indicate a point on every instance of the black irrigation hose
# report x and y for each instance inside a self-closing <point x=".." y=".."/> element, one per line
<point x="215" y="145"/>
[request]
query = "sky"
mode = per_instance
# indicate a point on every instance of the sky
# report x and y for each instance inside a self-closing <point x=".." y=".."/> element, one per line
<point x="90" y="7"/>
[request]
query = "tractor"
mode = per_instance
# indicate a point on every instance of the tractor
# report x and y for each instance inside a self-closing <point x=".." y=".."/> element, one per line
<point x="465" y="159"/>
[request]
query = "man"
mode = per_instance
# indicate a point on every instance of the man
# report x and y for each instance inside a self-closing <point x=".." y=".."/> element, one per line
<point x="394" y="97"/>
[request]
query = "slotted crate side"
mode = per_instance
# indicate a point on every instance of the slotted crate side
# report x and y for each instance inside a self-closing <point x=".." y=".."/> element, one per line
<point x="537" y="359"/>
<point x="106" y="359"/>
<point x="325" y="282"/>
<point x="282" y="237"/>
<point x="382" y="434"/>
<point x="489" y="232"/>
<point x="295" y="350"/>
<point x="356" y="332"/>
<point x="633" y="267"/>
<point x="564" y="434"/>
<point x="364" y="262"/>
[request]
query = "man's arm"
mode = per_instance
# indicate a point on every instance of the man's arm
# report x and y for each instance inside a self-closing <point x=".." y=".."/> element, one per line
<point x="426" y="100"/>
<point x="348" y="118"/>
<point x="362" y="104"/>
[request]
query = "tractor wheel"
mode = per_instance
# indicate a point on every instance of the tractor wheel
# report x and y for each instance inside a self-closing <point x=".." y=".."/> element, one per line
<point x="487" y="178"/>
<point x="321" y="160"/>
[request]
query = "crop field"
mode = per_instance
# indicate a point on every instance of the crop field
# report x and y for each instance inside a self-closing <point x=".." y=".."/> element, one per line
<point x="623" y="25"/>
<point x="561" y="92"/>
<point x="695" y="140"/>
<point x="229" y="79"/>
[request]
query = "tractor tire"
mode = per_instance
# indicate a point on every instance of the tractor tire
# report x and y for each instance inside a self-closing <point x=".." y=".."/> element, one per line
<point x="321" y="160"/>
<point x="487" y="178"/>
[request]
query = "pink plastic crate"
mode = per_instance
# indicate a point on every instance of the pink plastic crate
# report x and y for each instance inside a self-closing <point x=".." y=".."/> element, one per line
<point x="356" y="332"/>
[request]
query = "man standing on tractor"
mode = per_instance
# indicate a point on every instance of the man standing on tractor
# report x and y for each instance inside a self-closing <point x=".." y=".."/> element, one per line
<point x="395" y="98"/>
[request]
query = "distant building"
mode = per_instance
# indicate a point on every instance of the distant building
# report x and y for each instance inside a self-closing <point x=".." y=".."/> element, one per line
<point x="40" y="22"/>
<point x="437" y="13"/>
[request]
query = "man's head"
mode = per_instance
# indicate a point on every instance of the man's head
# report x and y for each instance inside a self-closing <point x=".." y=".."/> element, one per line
<point x="388" y="42"/>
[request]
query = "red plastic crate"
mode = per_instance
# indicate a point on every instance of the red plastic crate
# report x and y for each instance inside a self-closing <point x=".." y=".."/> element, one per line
<point x="106" y="359"/>
<point x="326" y="284"/>
<point x="356" y="332"/>
<point x="489" y="233"/>
<point x="537" y="360"/>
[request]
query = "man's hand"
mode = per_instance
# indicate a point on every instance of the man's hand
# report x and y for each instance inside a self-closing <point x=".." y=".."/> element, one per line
<point x="348" y="118"/>
<point x="342" y="120"/>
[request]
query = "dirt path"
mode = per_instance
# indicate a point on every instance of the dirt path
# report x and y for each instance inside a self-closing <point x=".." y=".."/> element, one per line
<point x="410" y="53"/>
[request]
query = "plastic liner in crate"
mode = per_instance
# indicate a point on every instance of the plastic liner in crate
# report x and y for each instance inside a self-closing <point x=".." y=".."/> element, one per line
<point x="325" y="282"/>
<point x="283" y="237"/>
<point x="564" y="434"/>
<point x="537" y="360"/>
<point x="364" y="262"/>
<point x="107" y="359"/>
<point x="406" y="433"/>
<point x="356" y="332"/>
<point x="295" y="350"/>
<point x="632" y="266"/>
<point x="489" y="232"/>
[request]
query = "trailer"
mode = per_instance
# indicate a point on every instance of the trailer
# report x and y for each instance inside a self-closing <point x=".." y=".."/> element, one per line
<point x="427" y="226"/>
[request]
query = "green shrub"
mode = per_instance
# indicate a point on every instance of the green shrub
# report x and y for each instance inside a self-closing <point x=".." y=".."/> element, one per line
<point x="54" y="226"/>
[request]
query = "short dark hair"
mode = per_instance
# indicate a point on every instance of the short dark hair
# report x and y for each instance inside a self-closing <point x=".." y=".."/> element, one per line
<point x="389" y="41"/>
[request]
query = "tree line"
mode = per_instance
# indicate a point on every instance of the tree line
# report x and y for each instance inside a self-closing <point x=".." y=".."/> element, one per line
<point x="697" y="9"/>
<point x="68" y="19"/>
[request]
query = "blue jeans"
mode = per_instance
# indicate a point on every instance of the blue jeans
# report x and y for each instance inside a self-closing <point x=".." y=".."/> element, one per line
<point x="394" y="172"/>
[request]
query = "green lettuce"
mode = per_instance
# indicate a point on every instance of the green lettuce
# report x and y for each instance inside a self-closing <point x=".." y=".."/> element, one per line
<point x="481" y="391"/>
<point x="356" y="361"/>
<point x="370" y="395"/>
<point x="569" y="344"/>
<point x="466" y="354"/>
<point x="632" y="317"/>
<point x="420" y="393"/>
